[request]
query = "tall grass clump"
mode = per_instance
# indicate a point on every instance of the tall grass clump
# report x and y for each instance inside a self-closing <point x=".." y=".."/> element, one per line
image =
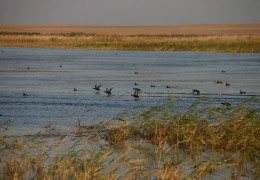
<point x="203" y="141"/>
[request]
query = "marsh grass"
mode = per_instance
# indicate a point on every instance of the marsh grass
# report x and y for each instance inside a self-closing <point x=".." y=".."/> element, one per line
<point x="217" y="43"/>
<point x="202" y="142"/>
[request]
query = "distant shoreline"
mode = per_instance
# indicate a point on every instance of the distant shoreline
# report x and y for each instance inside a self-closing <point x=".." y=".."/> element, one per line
<point x="192" y="29"/>
<point x="242" y="38"/>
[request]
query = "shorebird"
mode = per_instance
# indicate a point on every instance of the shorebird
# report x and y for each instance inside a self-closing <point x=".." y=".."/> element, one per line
<point x="226" y="104"/>
<point x="218" y="82"/>
<point x="242" y="92"/>
<point x="136" y="94"/>
<point x="195" y="91"/>
<point x="108" y="91"/>
<point x="152" y="85"/>
<point x="97" y="87"/>
<point x="227" y="84"/>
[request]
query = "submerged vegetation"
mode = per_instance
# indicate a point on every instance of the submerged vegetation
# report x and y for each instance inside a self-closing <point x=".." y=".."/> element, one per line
<point x="203" y="141"/>
<point x="216" y="43"/>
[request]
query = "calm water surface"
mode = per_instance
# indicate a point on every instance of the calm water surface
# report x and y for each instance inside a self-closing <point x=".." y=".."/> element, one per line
<point x="48" y="77"/>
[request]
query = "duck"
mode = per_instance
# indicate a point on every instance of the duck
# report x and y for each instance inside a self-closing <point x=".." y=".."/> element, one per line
<point x="97" y="87"/>
<point x="108" y="91"/>
<point x="227" y="104"/>
<point x="242" y="92"/>
<point x="195" y="91"/>
<point x="137" y="89"/>
<point x="218" y="82"/>
<point x="136" y="94"/>
<point x="25" y="94"/>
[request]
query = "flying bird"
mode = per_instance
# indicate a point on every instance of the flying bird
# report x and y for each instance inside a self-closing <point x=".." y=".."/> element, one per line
<point x="97" y="87"/>
<point x="108" y="91"/>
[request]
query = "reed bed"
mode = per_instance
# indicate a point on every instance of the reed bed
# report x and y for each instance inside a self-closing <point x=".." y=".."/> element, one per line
<point x="161" y="143"/>
<point x="214" y="43"/>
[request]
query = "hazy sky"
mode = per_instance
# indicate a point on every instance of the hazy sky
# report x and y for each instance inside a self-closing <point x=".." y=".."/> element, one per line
<point x="129" y="12"/>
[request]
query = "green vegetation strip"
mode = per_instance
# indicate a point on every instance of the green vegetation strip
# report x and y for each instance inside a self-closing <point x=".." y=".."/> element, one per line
<point x="213" y="43"/>
<point x="160" y="143"/>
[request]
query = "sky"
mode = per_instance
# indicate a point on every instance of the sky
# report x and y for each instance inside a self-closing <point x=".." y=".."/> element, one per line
<point x="129" y="12"/>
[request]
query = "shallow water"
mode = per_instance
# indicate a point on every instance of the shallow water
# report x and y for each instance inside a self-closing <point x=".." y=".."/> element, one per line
<point x="53" y="73"/>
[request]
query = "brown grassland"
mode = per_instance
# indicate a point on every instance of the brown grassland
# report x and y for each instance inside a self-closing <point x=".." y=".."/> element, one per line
<point x="217" y="38"/>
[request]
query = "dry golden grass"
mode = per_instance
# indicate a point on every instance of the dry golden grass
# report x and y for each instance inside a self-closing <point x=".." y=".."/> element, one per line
<point x="218" y="38"/>
<point x="217" y="43"/>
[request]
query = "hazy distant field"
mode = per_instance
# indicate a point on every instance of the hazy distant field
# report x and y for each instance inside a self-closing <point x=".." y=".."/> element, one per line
<point x="214" y="29"/>
<point x="213" y="38"/>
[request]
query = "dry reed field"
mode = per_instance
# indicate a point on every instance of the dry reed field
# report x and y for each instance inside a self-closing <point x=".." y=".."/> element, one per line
<point x="217" y="38"/>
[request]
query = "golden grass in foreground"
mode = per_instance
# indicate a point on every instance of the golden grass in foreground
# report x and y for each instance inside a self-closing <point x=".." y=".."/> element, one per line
<point x="214" y="43"/>
<point x="199" y="143"/>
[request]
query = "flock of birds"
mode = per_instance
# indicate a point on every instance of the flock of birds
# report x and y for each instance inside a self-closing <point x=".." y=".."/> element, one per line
<point x="137" y="91"/>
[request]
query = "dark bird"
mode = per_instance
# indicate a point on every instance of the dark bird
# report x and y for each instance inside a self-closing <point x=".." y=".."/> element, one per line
<point x="28" y="68"/>
<point x="74" y="89"/>
<point x="137" y="89"/>
<point x="227" y="84"/>
<point x="223" y="71"/>
<point x="168" y="86"/>
<point x="195" y="91"/>
<point x="60" y="65"/>
<point x="218" y="82"/>
<point x="136" y="84"/>
<point x="136" y="94"/>
<point x="242" y="92"/>
<point x="24" y="94"/>
<point x="136" y="72"/>
<point x="152" y="85"/>
<point x="97" y="87"/>
<point x="108" y="91"/>
<point x="226" y="104"/>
